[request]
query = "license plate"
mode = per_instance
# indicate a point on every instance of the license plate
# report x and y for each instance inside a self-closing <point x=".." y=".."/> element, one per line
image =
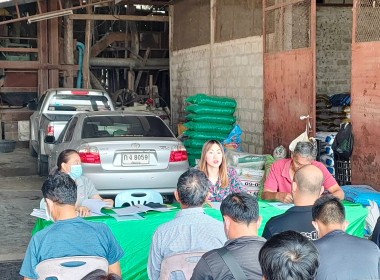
<point x="135" y="158"/>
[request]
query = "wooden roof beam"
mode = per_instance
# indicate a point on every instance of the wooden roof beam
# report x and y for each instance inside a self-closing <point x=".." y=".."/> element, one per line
<point x="118" y="17"/>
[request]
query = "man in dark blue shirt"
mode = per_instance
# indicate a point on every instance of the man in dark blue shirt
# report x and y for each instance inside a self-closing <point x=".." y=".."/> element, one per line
<point x="342" y="256"/>
<point x="307" y="186"/>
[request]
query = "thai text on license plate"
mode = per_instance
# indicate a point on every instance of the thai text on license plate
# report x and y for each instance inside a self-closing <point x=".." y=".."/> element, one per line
<point x="135" y="158"/>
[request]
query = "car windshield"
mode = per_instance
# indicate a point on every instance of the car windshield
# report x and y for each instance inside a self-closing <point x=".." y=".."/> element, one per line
<point x="72" y="102"/>
<point x="124" y="126"/>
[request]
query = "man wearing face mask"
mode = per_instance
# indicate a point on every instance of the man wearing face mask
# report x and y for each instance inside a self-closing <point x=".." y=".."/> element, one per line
<point x="240" y="254"/>
<point x="342" y="256"/>
<point x="69" y="235"/>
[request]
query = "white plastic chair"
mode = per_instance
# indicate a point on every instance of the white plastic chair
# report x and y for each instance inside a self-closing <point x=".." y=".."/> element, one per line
<point x="137" y="196"/>
<point x="184" y="262"/>
<point x="73" y="268"/>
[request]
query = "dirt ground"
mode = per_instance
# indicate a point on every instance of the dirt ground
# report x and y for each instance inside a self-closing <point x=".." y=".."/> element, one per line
<point x="20" y="192"/>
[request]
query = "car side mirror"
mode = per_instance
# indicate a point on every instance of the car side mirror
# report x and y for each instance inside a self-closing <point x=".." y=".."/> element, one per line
<point x="32" y="105"/>
<point x="50" y="139"/>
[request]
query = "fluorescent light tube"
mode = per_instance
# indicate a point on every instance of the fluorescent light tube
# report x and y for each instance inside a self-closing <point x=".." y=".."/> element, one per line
<point x="50" y="15"/>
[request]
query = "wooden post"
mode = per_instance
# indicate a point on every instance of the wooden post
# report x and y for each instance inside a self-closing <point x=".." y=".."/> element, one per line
<point x="212" y="40"/>
<point x="131" y="80"/>
<point x="53" y="47"/>
<point x="42" y="33"/>
<point x="68" y="47"/>
<point x="86" y="55"/>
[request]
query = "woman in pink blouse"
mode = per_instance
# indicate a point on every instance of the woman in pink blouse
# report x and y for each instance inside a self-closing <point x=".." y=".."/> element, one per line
<point x="222" y="179"/>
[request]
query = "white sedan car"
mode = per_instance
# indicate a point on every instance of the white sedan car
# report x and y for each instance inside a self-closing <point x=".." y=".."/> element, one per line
<point x="121" y="151"/>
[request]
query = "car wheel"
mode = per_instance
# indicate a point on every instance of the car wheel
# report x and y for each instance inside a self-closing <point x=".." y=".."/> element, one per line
<point x="32" y="152"/>
<point x="42" y="165"/>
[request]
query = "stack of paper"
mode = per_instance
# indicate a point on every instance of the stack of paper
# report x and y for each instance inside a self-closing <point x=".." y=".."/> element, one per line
<point x="95" y="206"/>
<point x="139" y="208"/>
<point x="39" y="213"/>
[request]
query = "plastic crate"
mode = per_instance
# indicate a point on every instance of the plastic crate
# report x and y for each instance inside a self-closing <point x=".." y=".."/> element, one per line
<point x="343" y="171"/>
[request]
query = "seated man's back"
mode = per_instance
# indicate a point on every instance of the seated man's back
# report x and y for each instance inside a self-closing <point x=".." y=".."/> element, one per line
<point x="72" y="237"/>
<point x="69" y="235"/>
<point x="191" y="230"/>
<point x="342" y="256"/>
<point x="306" y="188"/>
<point x="347" y="257"/>
<point x="240" y="212"/>
<point x="297" y="218"/>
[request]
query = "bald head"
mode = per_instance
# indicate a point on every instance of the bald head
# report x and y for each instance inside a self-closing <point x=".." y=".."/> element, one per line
<point x="309" y="180"/>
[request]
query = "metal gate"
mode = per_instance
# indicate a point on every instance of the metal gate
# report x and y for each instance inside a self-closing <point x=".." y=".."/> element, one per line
<point x="289" y="69"/>
<point x="365" y="92"/>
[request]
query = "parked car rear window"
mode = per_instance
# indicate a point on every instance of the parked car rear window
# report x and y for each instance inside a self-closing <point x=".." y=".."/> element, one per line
<point x="124" y="126"/>
<point x="78" y="103"/>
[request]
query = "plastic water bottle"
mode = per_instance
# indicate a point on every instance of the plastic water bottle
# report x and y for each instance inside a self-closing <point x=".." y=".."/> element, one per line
<point x="327" y="160"/>
<point x="329" y="150"/>
<point x="330" y="139"/>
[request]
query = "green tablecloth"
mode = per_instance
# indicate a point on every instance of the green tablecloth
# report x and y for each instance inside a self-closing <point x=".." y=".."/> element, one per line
<point x="134" y="236"/>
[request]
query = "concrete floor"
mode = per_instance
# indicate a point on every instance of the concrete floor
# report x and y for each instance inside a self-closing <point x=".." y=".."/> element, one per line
<point x="20" y="192"/>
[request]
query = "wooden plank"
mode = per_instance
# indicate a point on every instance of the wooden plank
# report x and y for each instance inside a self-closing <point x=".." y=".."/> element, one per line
<point x="53" y="47"/>
<point x="42" y="33"/>
<point x="106" y="40"/>
<point x="18" y="89"/>
<point x="86" y="55"/>
<point x="365" y="114"/>
<point x="119" y="17"/>
<point x="143" y="2"/>
<point x="136" y="86"/>
<point x="28" y="50"/>
<point x="68" y="47"/>
<point x="7" y="64"/>
<point x="288" y="83"/>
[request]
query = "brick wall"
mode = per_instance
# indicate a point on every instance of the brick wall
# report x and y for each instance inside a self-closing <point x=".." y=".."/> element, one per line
<point x="233" y="69"/>
<point x="334" y="29"/>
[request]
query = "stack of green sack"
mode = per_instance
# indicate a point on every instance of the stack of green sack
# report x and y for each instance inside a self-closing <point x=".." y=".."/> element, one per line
<point x="210" y="117"/>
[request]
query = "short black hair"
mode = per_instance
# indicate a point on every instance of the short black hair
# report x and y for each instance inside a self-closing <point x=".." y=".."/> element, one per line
<point x="192" y="187"/>
<point x="240" y="207"/>
<point x="289" y="255"/>
<point x="99" y="274"/>
<point x="60" y="188"/>
<point x="328" y="210"/>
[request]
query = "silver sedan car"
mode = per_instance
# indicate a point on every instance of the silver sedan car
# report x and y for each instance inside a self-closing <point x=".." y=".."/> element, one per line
<point x="122" y="151"/>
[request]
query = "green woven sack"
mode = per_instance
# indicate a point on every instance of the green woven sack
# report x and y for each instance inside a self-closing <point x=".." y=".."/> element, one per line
<point x="205" y="135"/>
<point x="191" y="159"/>
<point x="216" y="101"/>
<point x="194" y="143"/>
<point x="223" y="119"/>
<point x="209" y="127"/>
<point x="200" y="109"/>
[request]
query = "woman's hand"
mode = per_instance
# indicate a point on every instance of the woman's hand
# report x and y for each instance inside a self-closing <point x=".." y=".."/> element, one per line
<point x="83" y="211"/>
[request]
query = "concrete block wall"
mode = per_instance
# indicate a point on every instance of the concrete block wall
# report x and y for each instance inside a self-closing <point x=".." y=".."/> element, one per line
<point x="189" y="74"/>
<point x="333" y="53"/>
<point x="233" y="69"/>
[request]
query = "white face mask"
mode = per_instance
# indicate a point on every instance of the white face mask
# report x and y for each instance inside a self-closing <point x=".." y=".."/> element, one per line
<point x="226" y="227"/>
<point x="48" y="214"/>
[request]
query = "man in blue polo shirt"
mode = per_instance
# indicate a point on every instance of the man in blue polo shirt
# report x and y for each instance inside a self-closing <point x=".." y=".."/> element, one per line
<point x="69" y="235"/>
<point x="342" y="256"/>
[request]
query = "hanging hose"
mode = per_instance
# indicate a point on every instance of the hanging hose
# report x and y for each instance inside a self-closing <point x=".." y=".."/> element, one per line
<point x="80" y="47"/>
